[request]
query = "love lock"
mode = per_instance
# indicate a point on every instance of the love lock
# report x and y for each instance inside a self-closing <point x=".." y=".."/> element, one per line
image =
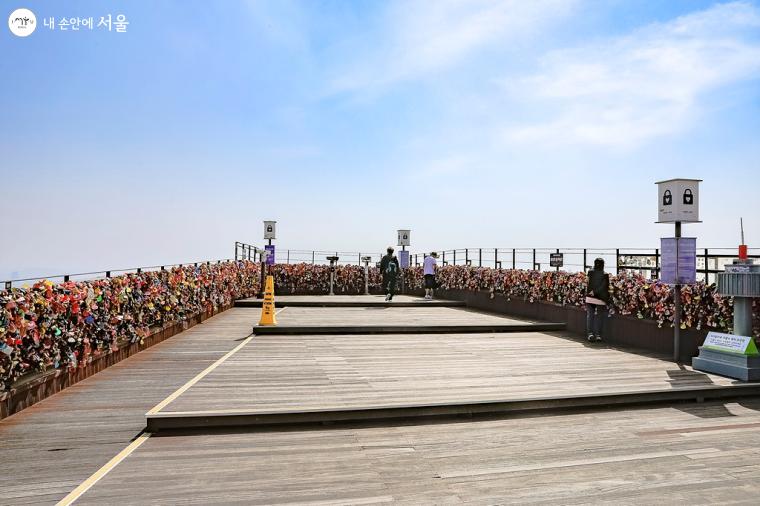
<point x="667" y="198"/>
<point x="688" y="197"/>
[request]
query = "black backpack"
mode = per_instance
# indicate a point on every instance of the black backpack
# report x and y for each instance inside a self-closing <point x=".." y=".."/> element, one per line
<point x="391" y="269"/>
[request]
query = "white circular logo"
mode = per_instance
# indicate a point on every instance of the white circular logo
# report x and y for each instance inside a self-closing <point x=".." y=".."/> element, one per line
<point x="22" y="22"/>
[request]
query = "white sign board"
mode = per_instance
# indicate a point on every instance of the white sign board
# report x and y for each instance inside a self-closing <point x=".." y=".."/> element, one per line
<point x="403" y="237"/>
<point x="742" y="345"/>
<point x="270" y="229"/>
<point x="678" y="200"/>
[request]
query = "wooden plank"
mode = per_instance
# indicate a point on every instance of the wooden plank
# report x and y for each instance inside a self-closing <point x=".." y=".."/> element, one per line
<point x="288" y="374"/>
<point x="599" y="457"/>
<point x="56" y="444"/>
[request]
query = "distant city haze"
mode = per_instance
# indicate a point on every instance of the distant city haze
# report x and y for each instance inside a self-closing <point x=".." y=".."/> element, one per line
<point x="474" y="124"/>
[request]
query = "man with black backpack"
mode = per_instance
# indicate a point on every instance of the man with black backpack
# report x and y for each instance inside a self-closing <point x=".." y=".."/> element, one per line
<point x="390" y="269"/>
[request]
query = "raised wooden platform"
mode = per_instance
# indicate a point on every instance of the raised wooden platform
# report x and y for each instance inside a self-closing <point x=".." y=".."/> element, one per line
<point x="283" y="379"/>
<point x="351" y="301"/>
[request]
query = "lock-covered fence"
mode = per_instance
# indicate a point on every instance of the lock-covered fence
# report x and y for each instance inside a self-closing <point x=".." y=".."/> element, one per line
<point x="644" y="261"/>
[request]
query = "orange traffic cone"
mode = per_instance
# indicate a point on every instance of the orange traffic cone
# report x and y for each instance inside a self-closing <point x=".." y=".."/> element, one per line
<point x="267" y="307"/>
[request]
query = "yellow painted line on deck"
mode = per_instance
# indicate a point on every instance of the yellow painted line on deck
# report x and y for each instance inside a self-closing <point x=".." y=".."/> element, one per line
<point x="161" y="405"/>
<point x="134" y="445"/>
<point x="97" y="475"/>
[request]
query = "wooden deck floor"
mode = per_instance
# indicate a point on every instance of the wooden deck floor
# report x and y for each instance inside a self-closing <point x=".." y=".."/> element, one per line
<point x="692" y="454"/>
<point x="48" y="449"/>
<point x="418" y="316"/>
<point x="284" y="373"/>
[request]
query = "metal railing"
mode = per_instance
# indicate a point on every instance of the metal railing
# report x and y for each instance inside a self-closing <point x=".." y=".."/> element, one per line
<point x="645" y="261"/>
<point x="82" y="276"/>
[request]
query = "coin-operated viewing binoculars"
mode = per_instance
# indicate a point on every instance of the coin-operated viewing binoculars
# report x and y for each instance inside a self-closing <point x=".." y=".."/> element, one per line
<point x="366" y="261"/>
<point x="333" y="264"/>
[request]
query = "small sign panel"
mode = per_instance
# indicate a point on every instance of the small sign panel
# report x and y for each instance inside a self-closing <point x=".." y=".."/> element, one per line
<point x="556" y="259"/>
<point x="269" y="254"/>
<point x="729" y="343"/>
<point x="403" y="237"/>
<point x="270" y="230"/>
<point x="678" y="200"/>
<point x="678" y="260"/>
<point x="403" y="258"/>
<point x="738" y="268"/>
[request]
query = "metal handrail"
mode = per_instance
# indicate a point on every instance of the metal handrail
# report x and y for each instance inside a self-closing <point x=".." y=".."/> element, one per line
<point x="8" y="283"/>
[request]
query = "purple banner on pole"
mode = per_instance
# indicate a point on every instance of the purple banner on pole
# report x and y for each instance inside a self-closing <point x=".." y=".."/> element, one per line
<point x="403" y="257"/>
<point x="687" y="260"/>
<point x="679" y="260"/>
<point x="269" y="252"/>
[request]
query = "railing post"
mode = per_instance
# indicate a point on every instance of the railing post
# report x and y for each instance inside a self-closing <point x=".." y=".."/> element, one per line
<point x="466" y="256"/>
<point x="656" y="263"/>
<point x="707" y="267"/>
<point x="585" y="260"/>
<point x="287" y="258"/>
<point x="455" y="257"/>
<point x="514" y="258"/>
<point x="534" y="259"/>
<point x="443" y="258"/>
<point x="557" y="266"/>
<point x="312" y="257"/>
<point x="617" y="261"/>
<point x="480" y="257"/>
<point x="495" y="258"/>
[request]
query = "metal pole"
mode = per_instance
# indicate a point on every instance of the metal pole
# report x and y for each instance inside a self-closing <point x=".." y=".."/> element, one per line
<point x="514" y="258"/>
<point x="312" y="257"/>
<point x="236" y="250"/>
<point x="657" y="263"/>
<point x="480" y="257"/>
<point x="534" y="258"/>
<point x="287" y="261"/>
<point x="677" y="302"/>
<point x="557" y="266"/>
<point x="403" y="284"/>
<point x="332" y="279"/>
<point x="707" y="269"/>
<point x="617" y="260"/>
<point x="455" y="257"/>
<point x="585" y="260"/>
<point x="366" y="278"/>
<point x="495" y="258"/>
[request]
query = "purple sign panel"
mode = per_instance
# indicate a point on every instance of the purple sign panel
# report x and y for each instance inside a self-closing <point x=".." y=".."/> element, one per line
<point x="269" y="253"/>
<point x="687" y="260"/>
<point x="679" y="260"/>
<point x="403" y="257"/>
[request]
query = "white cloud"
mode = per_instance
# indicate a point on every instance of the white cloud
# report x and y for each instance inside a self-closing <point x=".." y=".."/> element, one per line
<point x="418" y="38"/>
<point x="624" y="91"/>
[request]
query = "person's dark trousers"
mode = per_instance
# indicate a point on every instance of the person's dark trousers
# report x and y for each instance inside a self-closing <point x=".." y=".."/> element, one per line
<point x="389" y="285"/>
<point x="595" y="318"/>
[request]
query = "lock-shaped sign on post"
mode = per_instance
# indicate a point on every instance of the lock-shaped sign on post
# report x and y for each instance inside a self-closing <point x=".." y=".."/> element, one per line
<point x="688" y="197"/>
<point x="667" y="198"/>
<point x="270" y="229"/>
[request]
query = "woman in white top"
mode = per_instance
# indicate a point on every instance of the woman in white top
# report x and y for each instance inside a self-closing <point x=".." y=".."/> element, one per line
<point x="428" y="269"/>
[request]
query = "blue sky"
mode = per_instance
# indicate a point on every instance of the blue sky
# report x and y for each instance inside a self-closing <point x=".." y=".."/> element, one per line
<point x="482" y="123"/>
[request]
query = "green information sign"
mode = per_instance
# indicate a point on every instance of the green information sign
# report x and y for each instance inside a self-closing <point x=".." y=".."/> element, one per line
<point x="729" y="343"/>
